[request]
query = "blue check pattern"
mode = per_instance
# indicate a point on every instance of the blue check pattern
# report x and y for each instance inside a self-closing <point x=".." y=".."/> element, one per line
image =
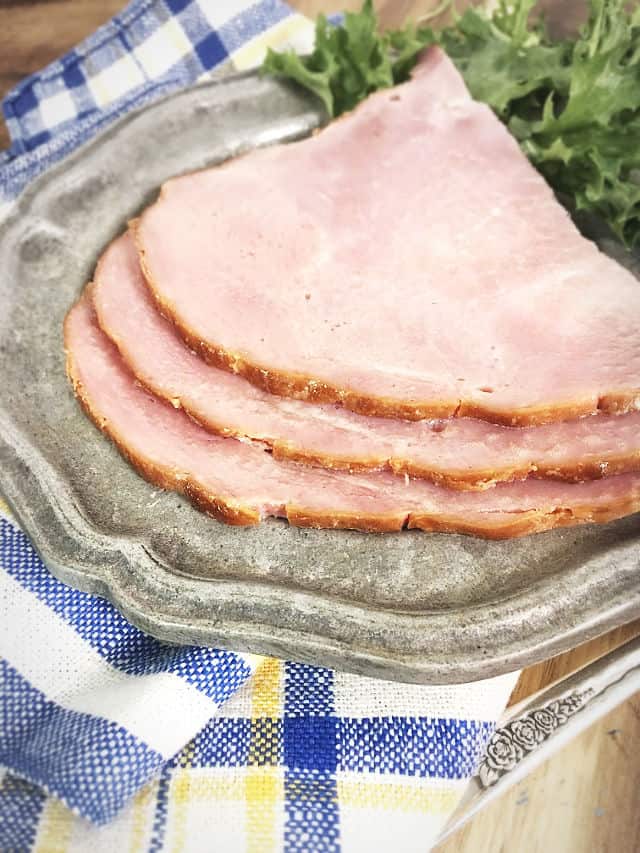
<point x="151" y="48"/>
<point x="73" y="82"/>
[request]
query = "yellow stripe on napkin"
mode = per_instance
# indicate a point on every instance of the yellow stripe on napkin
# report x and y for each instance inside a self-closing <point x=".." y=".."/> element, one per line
<point x="264" y="785"/>
<point x="4" y="510"/>
<point x="55" y="828"/>
<point x="296" y="31"/>
<point x="408" y="797"/>
<point x="143" y="806"/>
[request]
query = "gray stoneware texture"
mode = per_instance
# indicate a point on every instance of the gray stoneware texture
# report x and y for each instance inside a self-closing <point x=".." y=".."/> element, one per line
<point x="407" y="606"/>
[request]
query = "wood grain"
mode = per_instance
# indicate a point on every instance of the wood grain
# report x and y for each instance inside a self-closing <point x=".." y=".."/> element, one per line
<point x="534" y="678"/>
<point x="586" y="797"/>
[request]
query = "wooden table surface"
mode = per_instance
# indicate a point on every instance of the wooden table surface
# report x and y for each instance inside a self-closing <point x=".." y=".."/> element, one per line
<point x="586" y="798"/>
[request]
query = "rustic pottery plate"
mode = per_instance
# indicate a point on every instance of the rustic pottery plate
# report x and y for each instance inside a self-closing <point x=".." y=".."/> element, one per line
<point x="409" y="606"/>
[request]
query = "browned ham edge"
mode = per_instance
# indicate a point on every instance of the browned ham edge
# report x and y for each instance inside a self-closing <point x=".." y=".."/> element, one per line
<point x="478" y="480"/>
<point x="289" y="384"/>
<point x="314" y="390"/>
<point x="556" y="331"/>
<point x="163" y="477"/>
<point x="97" y="373"/>
<point x="225" y="404"/>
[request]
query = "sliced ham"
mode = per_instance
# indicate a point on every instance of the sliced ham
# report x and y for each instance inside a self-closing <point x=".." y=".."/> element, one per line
<point x="241" y="483"/>
<point x="407" y="261"/>
<point x="460" y="453"/>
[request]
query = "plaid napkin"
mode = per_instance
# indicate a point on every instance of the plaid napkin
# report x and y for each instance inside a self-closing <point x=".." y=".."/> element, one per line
<point x="111" y="740"/>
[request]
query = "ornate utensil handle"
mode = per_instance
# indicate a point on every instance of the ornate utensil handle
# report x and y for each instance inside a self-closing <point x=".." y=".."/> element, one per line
<point x="531" y="731"/>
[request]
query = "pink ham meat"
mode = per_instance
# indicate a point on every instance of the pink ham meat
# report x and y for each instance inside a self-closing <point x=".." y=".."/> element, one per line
<point x="460" y="453"/>
<point x="241" y="483"/>
<point x="407" y="261"/>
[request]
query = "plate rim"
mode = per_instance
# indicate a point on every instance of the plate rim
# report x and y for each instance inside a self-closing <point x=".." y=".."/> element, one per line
<point x="74" y="550"/>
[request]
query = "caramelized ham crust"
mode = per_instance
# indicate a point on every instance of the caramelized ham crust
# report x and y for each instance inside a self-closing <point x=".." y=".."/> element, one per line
<point x="407" y="261"/>
<point x="459" y="453"/>
<point x="241" y="483"/>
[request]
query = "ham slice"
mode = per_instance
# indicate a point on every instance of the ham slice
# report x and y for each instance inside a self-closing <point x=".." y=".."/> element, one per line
<point x="241" y="483"/>
<point x="459" y="453"/>
<point x="407" y="261"/>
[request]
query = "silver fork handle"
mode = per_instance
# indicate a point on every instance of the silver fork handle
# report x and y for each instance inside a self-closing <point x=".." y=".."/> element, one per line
<point x="534" y="729"/>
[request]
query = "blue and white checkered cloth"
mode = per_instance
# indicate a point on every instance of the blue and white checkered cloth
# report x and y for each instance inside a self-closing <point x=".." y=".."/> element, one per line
<point x="111" y="740"/>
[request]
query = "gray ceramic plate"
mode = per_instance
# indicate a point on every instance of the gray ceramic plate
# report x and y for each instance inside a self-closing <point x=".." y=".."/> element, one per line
<point x="410" y="606"/>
